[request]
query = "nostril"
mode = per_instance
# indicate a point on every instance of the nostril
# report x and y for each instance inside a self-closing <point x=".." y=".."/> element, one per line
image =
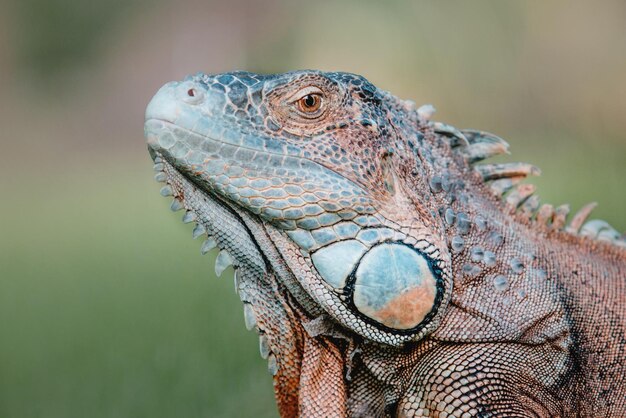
<point x="190" y="93"/>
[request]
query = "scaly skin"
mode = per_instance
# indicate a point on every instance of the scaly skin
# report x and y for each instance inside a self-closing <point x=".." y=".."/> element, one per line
<point x="382" y="268"/>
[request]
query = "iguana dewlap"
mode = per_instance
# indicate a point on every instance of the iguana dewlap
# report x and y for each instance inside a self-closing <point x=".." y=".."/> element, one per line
<point x="386" y="271"/>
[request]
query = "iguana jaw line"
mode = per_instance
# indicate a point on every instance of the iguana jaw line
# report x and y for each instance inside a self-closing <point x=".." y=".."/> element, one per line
<point x="178" y="185"/>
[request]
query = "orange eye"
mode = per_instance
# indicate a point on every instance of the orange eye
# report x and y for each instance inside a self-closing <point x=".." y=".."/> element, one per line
<point x="310" y="103"/>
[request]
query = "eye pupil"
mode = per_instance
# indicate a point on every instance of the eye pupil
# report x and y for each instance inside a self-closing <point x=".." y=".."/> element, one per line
<point x="310" y="103"/>
<point x="191" y="93"/>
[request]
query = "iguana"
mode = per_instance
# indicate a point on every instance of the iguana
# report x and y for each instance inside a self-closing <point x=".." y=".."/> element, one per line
<point x="386" y="271"/>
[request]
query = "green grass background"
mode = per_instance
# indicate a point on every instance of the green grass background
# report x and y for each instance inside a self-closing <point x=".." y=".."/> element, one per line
<point x="107" y="308"/>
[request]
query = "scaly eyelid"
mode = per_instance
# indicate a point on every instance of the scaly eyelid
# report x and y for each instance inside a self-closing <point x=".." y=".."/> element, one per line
<point x="305" y="92"/>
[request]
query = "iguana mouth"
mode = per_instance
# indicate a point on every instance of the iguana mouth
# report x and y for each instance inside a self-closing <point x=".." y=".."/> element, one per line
<point x="152" y="139"/>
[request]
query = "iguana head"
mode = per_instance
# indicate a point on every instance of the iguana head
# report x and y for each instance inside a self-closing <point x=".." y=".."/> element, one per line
<point x="325" y="162"/>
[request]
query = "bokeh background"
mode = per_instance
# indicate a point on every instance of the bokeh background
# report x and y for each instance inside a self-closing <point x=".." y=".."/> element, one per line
<point x="106" y="307"/>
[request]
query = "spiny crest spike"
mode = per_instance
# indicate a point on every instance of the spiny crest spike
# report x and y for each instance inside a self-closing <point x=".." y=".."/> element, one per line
<point x="545" y="214"/>
<point x="176" y="205"/>
<point x="610" y="234"/>
<point x="249" y="316"/>
<point x="457" y="137"/>
<point x="483" y="145"/>
<point x="264" y="347"/>
<point x="222" y="262"/>
<point x="197" y="231"/>
<point x="208" y="245"/>
<point x="189" y="217"/>
<point x="594" y="227"/>
<point x="530" y="206"/>
<point x="501" y="186"/>
<point x="272" y="365"/>
<point x="167" y="191"/>
<point x="426" y="111"/>
<point x="499" y="171"/>
<point x="560" y="216"/>
<point x="520" y="194"/>
<point x="581" y="216"/>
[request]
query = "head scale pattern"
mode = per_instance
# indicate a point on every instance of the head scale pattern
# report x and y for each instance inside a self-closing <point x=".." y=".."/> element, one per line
<point x="325" y="175"/>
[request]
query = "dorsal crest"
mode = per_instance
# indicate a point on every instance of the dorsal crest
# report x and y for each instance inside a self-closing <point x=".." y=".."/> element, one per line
<point x="505" y="182"/>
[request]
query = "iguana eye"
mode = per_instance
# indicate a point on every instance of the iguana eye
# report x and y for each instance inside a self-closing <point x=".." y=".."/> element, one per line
<point x="309" y="102"/>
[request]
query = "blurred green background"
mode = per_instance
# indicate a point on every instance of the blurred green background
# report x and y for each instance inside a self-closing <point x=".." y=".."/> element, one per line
<point x="106" y="307"/>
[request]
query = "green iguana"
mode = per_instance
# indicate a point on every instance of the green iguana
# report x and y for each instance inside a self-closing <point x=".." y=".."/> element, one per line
<point x="386" y="272"/>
